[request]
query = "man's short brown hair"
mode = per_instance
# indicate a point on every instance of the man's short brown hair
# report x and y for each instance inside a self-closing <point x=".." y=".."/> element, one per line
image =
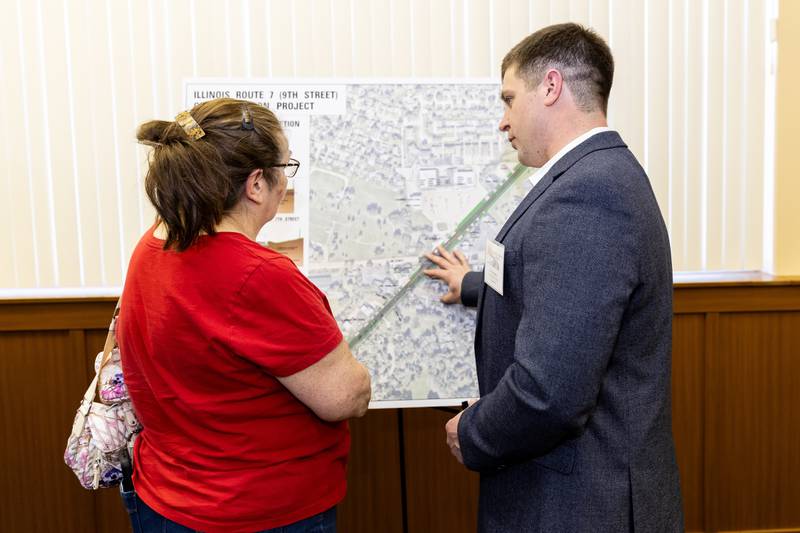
<point x="582" y="57"/>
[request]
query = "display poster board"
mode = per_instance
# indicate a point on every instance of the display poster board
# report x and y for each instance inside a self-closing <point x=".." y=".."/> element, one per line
<point x="388" y="170"/>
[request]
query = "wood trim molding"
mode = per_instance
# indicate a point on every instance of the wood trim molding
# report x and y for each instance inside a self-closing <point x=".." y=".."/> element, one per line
<point x="731" y="278"/>
<point x="736" y="298"/>
<point x="740" y="295"/>
<point x="56" y="314"/>
<point x="790" y="530"/>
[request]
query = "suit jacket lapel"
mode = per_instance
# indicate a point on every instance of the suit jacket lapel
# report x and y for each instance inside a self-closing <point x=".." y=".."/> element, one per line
<point x="526" y="202"/>
<point x="531" y="197"/>
<point x="601" y="141"/>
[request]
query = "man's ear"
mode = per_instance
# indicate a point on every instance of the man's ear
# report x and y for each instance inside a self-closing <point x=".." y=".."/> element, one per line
<point x="552" y="85"/>
<point x="255" y="188"/>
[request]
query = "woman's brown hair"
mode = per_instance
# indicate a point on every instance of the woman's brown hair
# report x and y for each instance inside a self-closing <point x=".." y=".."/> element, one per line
<point x="193" y="183"/>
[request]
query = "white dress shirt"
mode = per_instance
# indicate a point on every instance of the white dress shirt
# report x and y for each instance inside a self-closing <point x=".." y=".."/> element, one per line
<point x="539" y="174"/>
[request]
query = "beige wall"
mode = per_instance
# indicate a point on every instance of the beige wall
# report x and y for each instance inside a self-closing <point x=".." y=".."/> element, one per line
<point x="787" y="142"/>
<point x="80" y="75"/>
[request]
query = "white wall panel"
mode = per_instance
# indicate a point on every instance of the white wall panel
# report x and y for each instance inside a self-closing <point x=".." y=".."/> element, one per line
<point x="479" y="35"/>
<point x="399" y="58"/>
<point x="500" y="16"/>
<point x="81" y="135"/>
<point x="9" y="172"/>
<point x="60" y="203"/>
<point x="421" y="43"/>
<point x="440" y="37"/>
<point x="559" y="11"/>
<point x="33" y="198"/>
<point x="656" y="92"/>
<point x="599" y="16"/>
<point x="284" y="55"/>
<point x="301" y="13"/>
<point x="692" y="199"/>
<point x="714" y="126"/>
<point x="519" y="18"/>
<point x="80" y="76"/>
<point x="538" y="14"/>
<point x="579" y="11"/>
<point x="626" y="107"/>
<point x="108" y="181"/>
<point x="678" y="128"/>
<point x="736" y="111"/>
<point x="320" y="30"/>
<point x="141" y="109"/>
<point x="753" y="189"/>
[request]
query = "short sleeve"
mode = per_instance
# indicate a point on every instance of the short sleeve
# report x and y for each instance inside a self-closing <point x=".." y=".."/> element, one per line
<point x="281" y="321"/>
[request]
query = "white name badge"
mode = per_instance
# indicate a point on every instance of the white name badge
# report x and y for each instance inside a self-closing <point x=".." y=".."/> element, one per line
<point x="493" y="271"/>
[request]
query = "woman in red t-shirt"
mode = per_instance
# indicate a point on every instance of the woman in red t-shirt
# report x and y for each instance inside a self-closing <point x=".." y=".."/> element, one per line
<point x="235" y="365"/>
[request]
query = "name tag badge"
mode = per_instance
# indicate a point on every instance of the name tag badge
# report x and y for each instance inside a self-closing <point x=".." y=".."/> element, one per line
<point x="493" y="271"/>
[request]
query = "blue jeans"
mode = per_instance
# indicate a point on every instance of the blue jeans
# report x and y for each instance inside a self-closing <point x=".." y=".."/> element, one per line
<point x="146" y="520"/>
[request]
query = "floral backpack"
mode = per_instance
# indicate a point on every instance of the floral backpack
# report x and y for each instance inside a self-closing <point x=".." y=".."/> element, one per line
<point x="101" y="443"/>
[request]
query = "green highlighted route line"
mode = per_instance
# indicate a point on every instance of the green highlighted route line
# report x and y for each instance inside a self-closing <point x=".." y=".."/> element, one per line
<point x="479" y="209"/>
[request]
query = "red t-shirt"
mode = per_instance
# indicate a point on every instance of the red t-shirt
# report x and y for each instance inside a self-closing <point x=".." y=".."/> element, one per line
<point x="203" y="333"/>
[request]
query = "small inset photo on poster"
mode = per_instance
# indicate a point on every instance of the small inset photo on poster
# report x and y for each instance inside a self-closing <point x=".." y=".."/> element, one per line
<point x="293" y="249"/>
<point x="287" y="204"/>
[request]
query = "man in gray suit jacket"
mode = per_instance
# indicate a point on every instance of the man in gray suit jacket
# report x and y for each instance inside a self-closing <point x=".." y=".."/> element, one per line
<point x="572" y="432"/>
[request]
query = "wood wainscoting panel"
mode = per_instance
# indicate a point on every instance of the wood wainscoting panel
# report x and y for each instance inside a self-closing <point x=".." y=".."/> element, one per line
<point x="42" y="379"/>
<point x="374" y="479"/>
<point x="442" y="495"/>
<point x="110" y="513"/>
<point x="753" y="431"/>
<point x="736" y="421"/>
<point x="688" y="348"/>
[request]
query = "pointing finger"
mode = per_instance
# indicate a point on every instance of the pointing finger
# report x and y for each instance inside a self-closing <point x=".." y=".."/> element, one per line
<point x="444" y="253"/>
<point x="435" y="273"/>
<point x="436" y="260"/>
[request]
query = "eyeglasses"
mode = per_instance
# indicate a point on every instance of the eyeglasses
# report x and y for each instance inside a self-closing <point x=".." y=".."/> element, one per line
<point x="290" y="168"/>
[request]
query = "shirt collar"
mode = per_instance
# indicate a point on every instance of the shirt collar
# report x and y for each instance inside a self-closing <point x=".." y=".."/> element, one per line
<point x="544" y="169"/>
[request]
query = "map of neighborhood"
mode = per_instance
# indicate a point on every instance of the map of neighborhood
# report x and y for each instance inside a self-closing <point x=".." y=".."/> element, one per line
<point x="406" y="167"/>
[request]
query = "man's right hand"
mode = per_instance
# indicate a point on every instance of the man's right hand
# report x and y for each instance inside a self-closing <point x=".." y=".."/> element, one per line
<point x="452" y="269"/>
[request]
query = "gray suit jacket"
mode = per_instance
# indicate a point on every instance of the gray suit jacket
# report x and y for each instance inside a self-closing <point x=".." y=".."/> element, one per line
<point x="573" y="430"/>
